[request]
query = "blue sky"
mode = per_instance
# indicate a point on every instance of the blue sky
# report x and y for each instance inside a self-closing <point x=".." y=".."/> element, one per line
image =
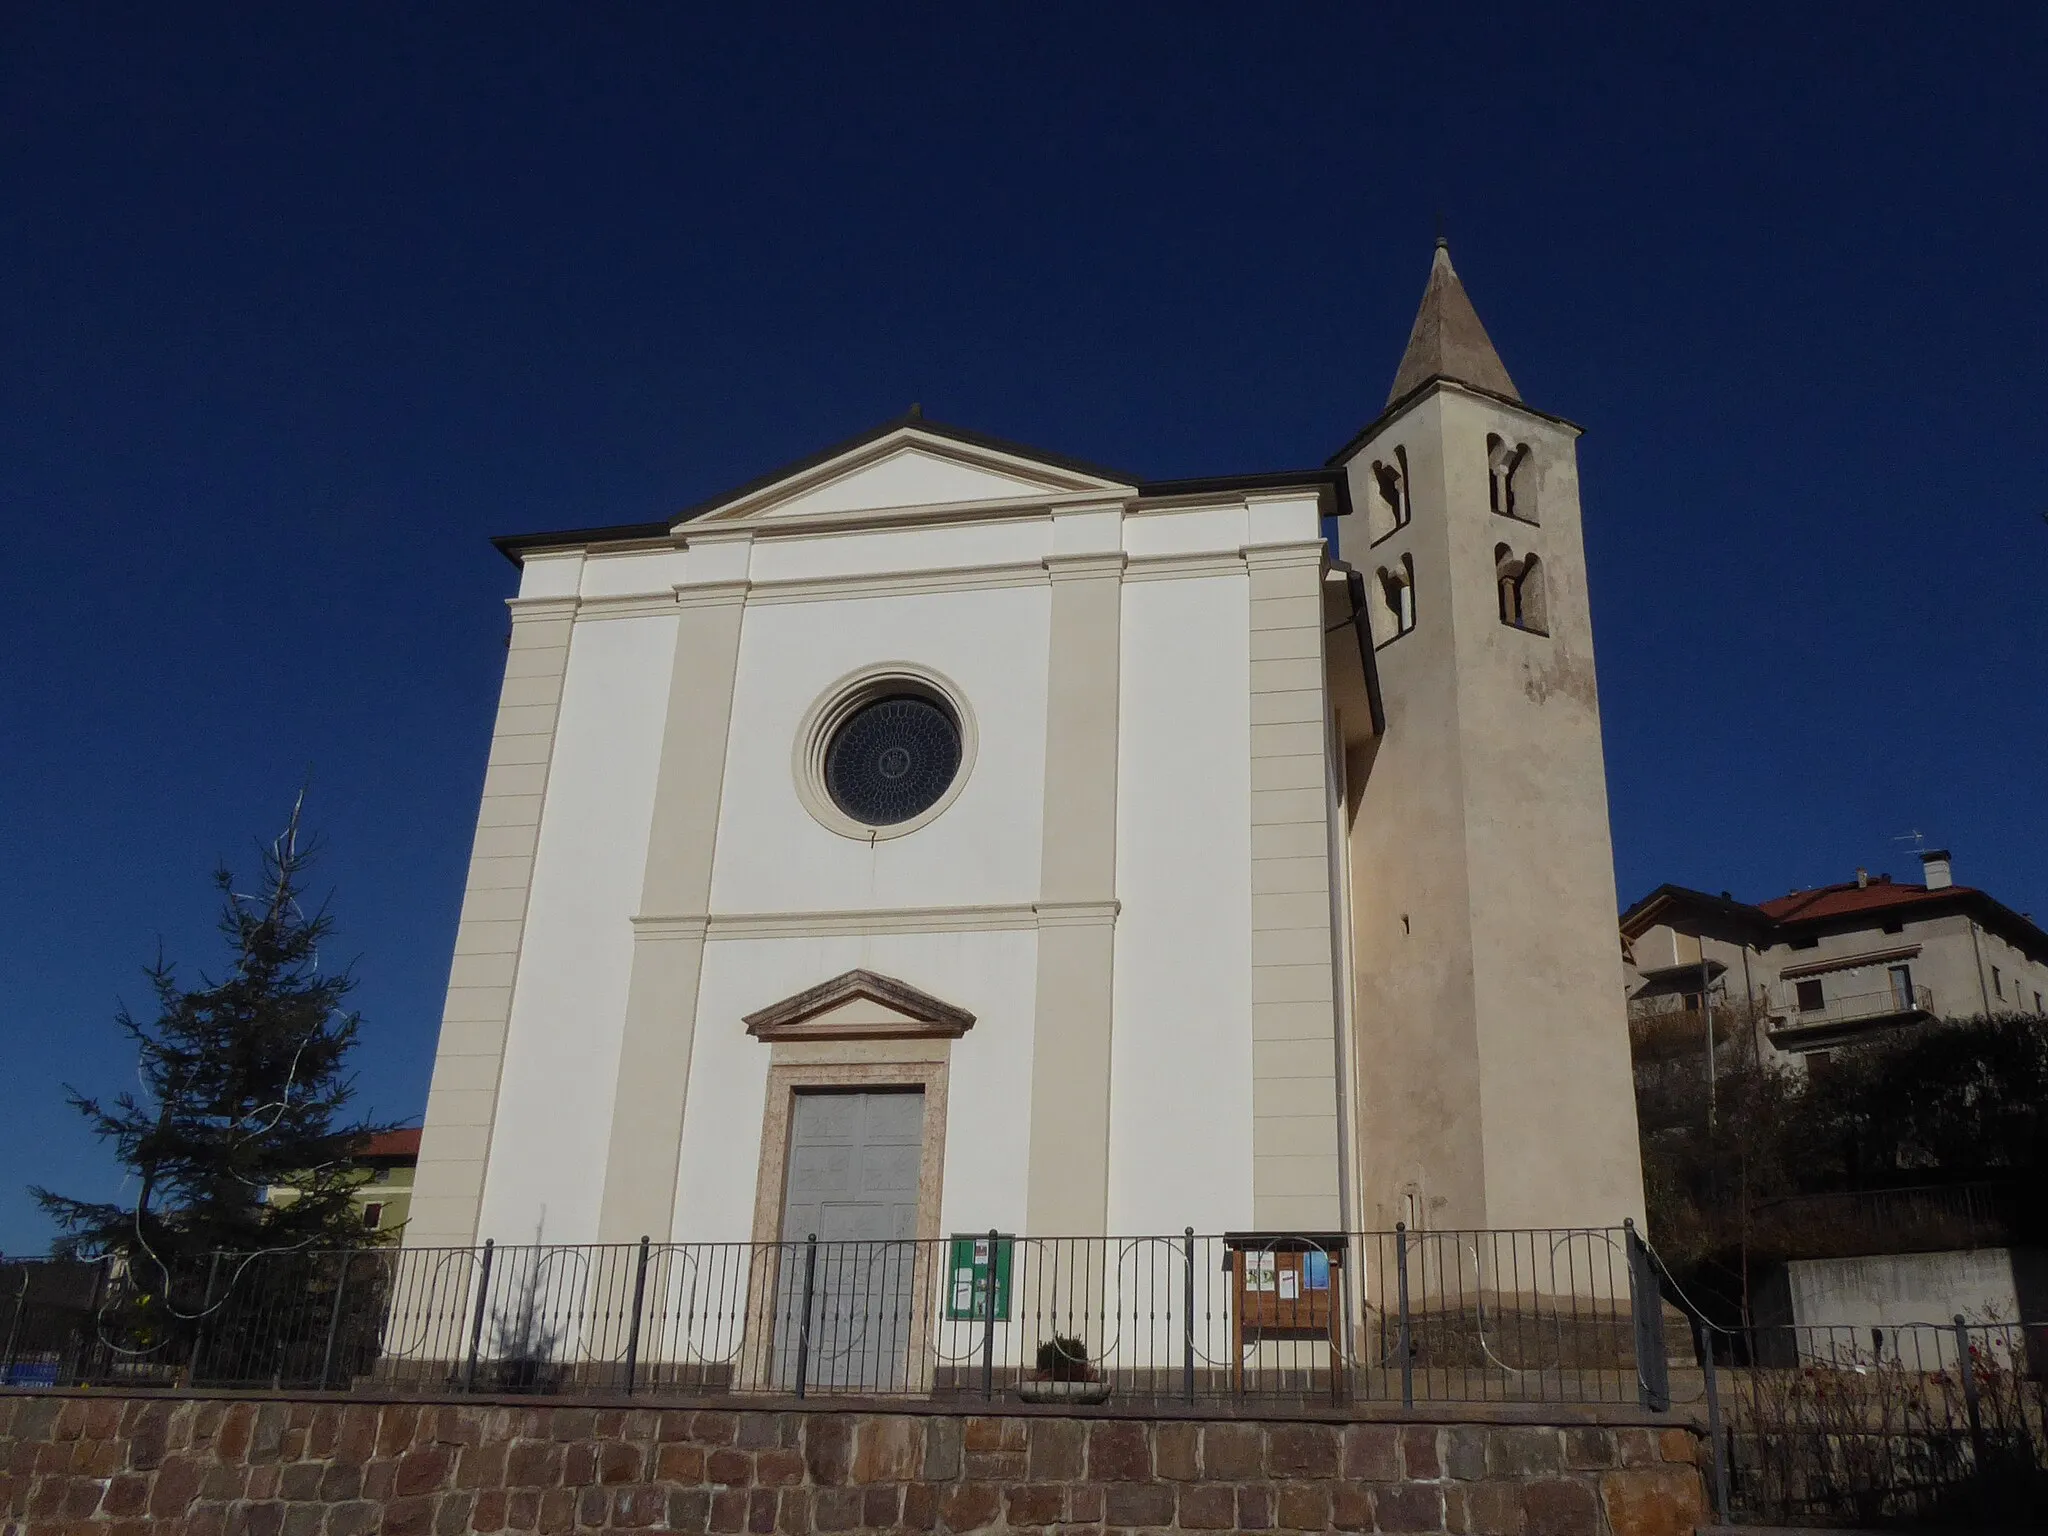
<point x="303" y="303"/>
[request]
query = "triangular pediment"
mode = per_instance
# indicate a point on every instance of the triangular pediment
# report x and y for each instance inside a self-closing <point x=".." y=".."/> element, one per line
<point x="904" y="467"/>
<point x="860" y="1005"/>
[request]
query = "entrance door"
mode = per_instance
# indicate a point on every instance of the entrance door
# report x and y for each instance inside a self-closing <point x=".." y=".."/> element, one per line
<point x="853" y="1170"/>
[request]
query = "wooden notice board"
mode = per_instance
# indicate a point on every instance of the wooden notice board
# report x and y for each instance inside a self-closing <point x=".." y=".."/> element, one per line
<point x="1286" y="1286"/>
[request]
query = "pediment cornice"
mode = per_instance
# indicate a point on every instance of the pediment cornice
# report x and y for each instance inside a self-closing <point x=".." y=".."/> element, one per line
<point x="973" y="471"/>
<point x="860" y="1005"/>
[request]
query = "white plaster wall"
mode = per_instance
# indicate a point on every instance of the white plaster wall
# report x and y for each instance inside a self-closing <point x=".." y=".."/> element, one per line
<point x="772" y="856"/>
<point x="992" y="975"/>
<point x="1841" y="1301"/>
<point x="550" y="574"/>
<point x="1220" y="529"/>
<point x="1005" y="542"/>
<point x="1896" y="1288"/>
<point x="553" y="1125"/>
<point x="1180" y="1137"/>
<point x="611" y="575"/>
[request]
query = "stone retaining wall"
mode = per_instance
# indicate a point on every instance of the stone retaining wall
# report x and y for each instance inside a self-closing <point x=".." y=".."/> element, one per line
<point x="210" y="1466"/>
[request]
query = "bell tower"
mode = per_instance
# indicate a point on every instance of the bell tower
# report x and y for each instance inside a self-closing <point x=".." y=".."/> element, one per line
<point x="1493" y="1076"/>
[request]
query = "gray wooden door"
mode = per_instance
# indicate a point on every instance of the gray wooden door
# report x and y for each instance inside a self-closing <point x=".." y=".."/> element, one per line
<point x="853" y="1170"/>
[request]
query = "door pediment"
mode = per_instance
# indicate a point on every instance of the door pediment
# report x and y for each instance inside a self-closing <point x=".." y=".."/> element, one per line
<point x="860" y="1005"/>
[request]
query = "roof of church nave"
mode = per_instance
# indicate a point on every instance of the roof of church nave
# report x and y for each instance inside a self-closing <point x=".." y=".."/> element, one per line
<point x="916" y="422"/>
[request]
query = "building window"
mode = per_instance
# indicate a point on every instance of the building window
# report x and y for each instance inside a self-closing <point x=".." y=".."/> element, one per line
<point x="883" y="751"/>
<point x="2037" y="1002"/>
<point x="1510" y="486"/>
<point x="1520" y="584"/>
<point x="373" y="1215"/>
<point x="1397" y="591"/>
<point x="1997" y="982"/>
<point x="1895" y="927"/>
<point x="1805" y="941"/>
<point x="1812" y="996"/>
<point x="1902" y="987"/>
<point x="1391" y="509"/>
<point x="892" y="759"/>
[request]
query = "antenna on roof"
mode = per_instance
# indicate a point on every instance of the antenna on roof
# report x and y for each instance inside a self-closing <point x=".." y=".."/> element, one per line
<point x="1909" y="837"/>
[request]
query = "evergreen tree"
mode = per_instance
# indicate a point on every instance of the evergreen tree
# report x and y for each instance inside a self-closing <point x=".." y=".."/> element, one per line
<point x="244" y="1089"/>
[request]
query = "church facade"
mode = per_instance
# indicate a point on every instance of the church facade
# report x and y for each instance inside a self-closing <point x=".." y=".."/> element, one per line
<point x="939" y="835"/>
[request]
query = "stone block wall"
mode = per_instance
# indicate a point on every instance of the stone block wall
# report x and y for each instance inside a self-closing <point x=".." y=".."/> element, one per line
<point x="94" y="1465"/>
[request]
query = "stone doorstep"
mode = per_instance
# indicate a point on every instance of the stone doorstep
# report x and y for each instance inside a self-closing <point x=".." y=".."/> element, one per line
<point x="1541" y="1415"/>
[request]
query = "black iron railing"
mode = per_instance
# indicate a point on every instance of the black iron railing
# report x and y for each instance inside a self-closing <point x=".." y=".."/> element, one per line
<point x="1942" y="1423"/>
<point x="1567" y="1315"/>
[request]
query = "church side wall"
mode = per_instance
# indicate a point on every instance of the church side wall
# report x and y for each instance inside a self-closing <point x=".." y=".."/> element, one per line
<point x="547" y="1166"/>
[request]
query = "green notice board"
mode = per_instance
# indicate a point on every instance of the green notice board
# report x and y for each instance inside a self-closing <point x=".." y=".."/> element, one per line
<point x="977" y="1266"/>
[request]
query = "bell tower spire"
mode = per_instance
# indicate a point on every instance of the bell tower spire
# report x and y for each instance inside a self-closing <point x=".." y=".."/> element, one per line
<point x="1447" y="341"/>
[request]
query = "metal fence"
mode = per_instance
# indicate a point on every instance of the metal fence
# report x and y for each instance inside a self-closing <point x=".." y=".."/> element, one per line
<point x="1945" y="1423"/>
<point x="1321" y="1319"/>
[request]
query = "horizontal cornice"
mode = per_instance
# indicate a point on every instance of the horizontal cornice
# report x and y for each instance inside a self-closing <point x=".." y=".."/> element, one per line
<point x="899" y="583"/>
<point x="997" y="918"/>
<point x="1104" y="565"/>
<point x="1848" y="962"/>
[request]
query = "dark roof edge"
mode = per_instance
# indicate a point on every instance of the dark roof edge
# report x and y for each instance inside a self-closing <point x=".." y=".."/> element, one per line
<point x="1323" y="477"/>
<point x="1683" y="895"/>
<point x="1415" y="395"/>
<point x="513" y="545"/>
<point x="2019" y="930"/>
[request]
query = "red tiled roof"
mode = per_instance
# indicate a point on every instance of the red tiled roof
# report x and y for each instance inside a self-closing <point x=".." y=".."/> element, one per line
<point x="1849" y="898"/>
<point x="405" y="1143"/>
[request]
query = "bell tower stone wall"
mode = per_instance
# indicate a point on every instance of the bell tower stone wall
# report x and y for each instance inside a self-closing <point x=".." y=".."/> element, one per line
<point x="1493" y="1077"/>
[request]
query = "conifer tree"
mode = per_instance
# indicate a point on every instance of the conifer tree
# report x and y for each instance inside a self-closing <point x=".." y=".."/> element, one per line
<point x="243" y="1089"/>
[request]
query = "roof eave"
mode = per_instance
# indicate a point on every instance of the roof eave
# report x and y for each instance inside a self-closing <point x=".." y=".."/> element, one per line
<point x="1421" y="392"/>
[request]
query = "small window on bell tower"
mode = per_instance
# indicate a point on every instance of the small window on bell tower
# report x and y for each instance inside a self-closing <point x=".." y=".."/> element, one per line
<point x="1391" y="508"/>
<point x="1520" y="584"/>
<point x="1510" y="479"/>
<point x="1397" y="592"/>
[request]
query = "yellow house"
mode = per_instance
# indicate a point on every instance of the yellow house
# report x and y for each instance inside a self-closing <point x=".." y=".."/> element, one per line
<point x="385" y="1197"/>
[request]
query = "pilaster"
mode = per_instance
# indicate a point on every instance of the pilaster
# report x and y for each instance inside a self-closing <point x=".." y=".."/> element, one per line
<point x="668" y="940"/>
<point x="1067" y="1192"/>
<point x="1295" y="1136"/>
<point x="463" y="1099"/>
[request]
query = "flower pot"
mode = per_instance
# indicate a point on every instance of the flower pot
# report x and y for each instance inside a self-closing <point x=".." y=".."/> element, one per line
<point x="1034" y="1391"/>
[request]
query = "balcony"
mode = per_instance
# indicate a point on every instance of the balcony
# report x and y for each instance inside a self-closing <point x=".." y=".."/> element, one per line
<point x="1806" y="1015"/>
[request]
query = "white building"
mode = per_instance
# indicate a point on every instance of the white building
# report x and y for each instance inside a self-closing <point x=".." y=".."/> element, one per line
<point x="940" y="835"/>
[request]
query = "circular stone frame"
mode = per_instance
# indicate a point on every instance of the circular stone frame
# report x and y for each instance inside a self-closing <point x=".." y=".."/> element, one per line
<point x="838" y="704"/>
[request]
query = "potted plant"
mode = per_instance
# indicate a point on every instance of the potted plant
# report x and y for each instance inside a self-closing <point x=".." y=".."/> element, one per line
<point x="1064" y="1375"/>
